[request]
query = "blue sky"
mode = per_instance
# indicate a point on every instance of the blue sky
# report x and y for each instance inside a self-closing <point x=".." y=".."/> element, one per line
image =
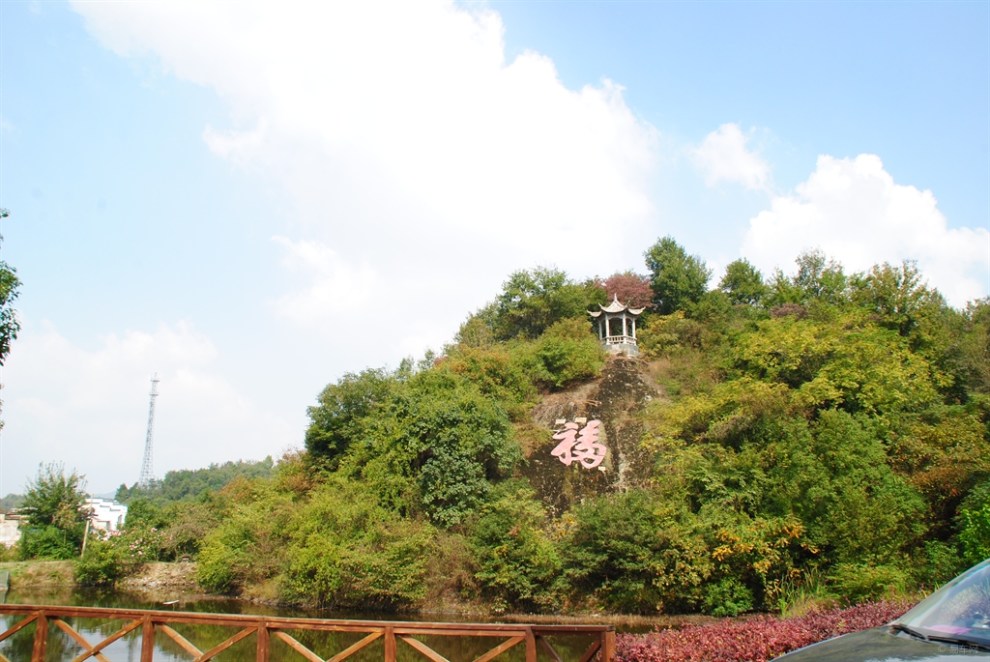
<point x="252" y="199"/>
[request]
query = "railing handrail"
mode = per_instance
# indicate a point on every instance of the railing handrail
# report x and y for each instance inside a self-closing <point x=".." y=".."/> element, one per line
<point x="530" y="635"/>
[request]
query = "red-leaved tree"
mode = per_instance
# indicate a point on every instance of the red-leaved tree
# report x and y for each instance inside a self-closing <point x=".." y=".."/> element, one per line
<point x="630" y="288"/>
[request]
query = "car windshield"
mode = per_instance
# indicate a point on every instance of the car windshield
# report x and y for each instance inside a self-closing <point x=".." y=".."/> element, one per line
<point x="959" y="611"/>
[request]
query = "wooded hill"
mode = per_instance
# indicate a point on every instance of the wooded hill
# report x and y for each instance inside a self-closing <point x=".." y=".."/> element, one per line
<point x="809" y="435"/>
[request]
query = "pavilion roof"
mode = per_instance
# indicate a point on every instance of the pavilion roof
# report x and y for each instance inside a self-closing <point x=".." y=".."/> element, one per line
<point x="616" y="307"/>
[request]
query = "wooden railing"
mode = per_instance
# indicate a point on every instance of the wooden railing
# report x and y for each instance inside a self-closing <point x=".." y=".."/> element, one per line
<point x="382" y="639"/>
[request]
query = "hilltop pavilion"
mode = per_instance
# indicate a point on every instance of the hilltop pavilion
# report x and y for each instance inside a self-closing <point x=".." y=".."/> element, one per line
<point x="616" y="325"/>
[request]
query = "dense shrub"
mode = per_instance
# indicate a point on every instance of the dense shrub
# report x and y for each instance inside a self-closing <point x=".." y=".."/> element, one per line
<point x="187" y="529"/>
<point x="497" y="374"/>
<point x="224" y="559"/>
<point x="661" y="335"/>
<point x="565" y="354"/>
<point x="518" y="564"/>
<point x="625" y="553"/>
<point x="429" y="442"/>
<point x="346" y="551"/>
<point x="974" y="525"/>
<point x="728" y="597"/>
<point x="47" y="542"/>
<point x="103" y="563"/>
<point x="245" y="548"/>
<point x="752" y="640"/>
<point x="857" y="582"/>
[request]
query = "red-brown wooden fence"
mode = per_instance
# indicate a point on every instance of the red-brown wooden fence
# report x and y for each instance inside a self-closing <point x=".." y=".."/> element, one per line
<point x="534" y="640"/>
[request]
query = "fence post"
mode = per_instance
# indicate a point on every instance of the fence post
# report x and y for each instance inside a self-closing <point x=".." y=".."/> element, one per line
<point x="530" y="645"/>
<point x="40" y="638"/>
<point x="263" y="641"/>
<point x="608" y="645"/>
<point x="389" y="643"/>
<point x="147" y="639"/>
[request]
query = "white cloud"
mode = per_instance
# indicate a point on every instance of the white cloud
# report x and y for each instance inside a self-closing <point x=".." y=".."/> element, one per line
<point x="854" y="212"/>
<point x="405" y="140"/>
<point x="724" y="156"/>
<point x="332" y="287"/>
<point x="236" y="146"/>
<point x="87" y="407"/>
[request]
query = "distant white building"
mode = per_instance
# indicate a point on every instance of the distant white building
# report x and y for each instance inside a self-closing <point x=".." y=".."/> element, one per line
<point x="10" y="529"/>
<point x="107" y="516"/>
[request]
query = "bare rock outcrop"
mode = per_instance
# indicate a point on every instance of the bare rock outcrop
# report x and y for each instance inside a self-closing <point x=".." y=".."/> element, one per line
<point x="615" y="399"/>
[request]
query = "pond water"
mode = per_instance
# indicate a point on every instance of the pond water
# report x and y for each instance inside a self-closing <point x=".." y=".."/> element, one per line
<point x="62" y="647"/>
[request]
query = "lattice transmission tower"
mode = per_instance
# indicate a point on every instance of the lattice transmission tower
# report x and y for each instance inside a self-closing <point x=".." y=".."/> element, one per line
<point x="147" y="473"/>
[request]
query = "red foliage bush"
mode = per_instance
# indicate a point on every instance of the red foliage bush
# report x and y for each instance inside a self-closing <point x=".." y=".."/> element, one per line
<point x="754" y="639"/>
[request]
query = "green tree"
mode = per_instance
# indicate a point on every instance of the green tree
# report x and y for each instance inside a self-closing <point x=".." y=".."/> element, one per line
<point x="476" y="331"/>
<point x="897" y="296"/>
<point x="678" y="280"/>
<point x="531" y="301"/>
<point x="342" y="411"/>
<point x="820" y="277"/>
<point x="743" y="283"/>
<point x="818" y="280"/>
<point x="11" y="502"/>
<point x="433" y="447"/>
<point x="457" y="441"/>
<point x="9" y="284"/>
<point x="144" y="513"/>
<point x="9" y="325"/>
<point x="974" y="346"/>
<point x="55" y="506"/>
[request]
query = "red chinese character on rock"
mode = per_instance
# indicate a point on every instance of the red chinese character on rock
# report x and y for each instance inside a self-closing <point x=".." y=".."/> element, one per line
<point x="579" y="444"/>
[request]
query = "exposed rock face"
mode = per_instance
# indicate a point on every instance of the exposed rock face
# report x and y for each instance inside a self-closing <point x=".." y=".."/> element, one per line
<point x="614" y="399"/>
<point x="158" y="577"/>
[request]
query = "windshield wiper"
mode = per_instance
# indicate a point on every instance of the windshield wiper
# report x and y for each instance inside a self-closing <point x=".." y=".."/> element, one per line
<point x="940" y="638"/>
<point x="907" y="629"/>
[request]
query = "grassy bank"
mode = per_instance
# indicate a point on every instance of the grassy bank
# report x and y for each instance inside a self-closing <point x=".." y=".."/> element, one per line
<point x="62" y="574"/>
<point x="39" y="574"/>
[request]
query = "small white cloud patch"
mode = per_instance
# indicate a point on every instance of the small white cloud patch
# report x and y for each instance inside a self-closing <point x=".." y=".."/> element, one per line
<point x="332" y="287"/>
<point x="725" y="156"/>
